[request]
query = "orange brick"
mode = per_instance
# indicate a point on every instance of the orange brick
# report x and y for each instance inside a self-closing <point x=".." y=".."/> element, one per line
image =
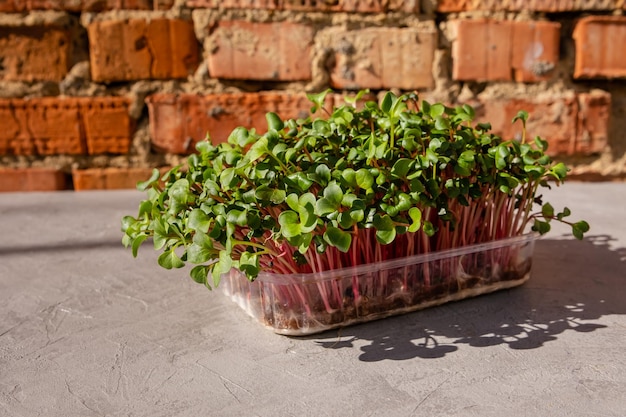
<point x="107" y="125"/>
<point x="32" y="179"/>
<point x="551" y="6"/>
<point x="142" y="49"/>
<point x="353" y="6"/>
<point x="42" y="126"/>
<point x="72" y="126"/>
<point x="83" y="5"/>
<point x="279" y="51"/>
<point x="178" y="122"/>
<point x="109" y="178"/>
<point x="552" y="118"/>
<point x="598" y="47"/>
<point x="594" y="109"/>
<point x="380" y="58"/>
<point x="34" y="53"/>
<point x="491" y="50"/>
<point x="572" y="124"/>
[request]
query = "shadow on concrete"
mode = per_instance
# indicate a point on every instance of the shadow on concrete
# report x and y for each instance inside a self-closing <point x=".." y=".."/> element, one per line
<point x="573" y="284"/>
<point x="55" y="247"/>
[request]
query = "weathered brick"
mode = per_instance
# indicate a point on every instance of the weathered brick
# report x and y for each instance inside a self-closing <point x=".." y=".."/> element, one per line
<point x="492" y="50"/>
<point x="380" y="58"/>
<point x="279" y="51"/>
<point x="72" y="126"/>
<point x="178" y="122"/>
<point x="107" y="125"/>
<point x="109" y="178"/>
<point x="592" y="133"/>
<point x="599" y="41"/>
<point x="32" y="179"/>
<point x="351" y="6"/>
<point x="142" y="49"/>
<point x="551" y="6"/>
<point x="572" y="124"/>
<point x="13" y="6"/>
<point x="34" y="53"/>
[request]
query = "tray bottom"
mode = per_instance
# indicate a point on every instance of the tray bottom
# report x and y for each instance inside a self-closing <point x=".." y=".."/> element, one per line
<point x="315" y="328"/>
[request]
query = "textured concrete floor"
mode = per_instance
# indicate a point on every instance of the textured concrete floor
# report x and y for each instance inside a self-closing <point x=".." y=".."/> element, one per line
<point x="86" y="330"/>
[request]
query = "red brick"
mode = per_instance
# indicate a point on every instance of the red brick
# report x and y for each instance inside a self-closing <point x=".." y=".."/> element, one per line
<point x="380" y="58"/>
<point x="107" y="125"/>
<point x="142" y="49"/>
<point x="572" y="124"/>
<point x="72" y="126"/>
<point x="13" y="6"/>
<point x="551" y="6"/>
<point x="599" y="41"/>
<point x="34" y="53"/>
<point x="279" y="51"/>
<point x="32" y="179"/>
<point x="41" y="126"/>
<point x="178" y="122"/>
<point x="352" y="6"/>
<point x="491" y="50"/>
<point x="592" y="131"/>
<point x="109" y="178"/>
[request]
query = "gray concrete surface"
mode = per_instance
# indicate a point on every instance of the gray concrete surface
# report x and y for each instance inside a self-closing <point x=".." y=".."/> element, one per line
<point x="86" y="330"/>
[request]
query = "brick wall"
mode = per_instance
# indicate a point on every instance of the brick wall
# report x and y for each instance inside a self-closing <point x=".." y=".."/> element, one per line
<point x="96" y="93"/>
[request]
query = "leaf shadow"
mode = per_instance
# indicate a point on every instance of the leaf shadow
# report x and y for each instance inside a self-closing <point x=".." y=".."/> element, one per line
<point x="573" y="284"/>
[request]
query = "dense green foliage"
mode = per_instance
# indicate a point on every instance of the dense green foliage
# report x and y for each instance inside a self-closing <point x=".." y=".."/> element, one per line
<point x="363" y="183"/>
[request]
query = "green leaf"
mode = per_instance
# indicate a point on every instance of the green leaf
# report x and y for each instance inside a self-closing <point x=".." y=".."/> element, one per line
<point x="559" y="171"/>
<point x="333" y="193"/>
<point x="437" y="110"/>
<point x="237" y="217"/>
<point x="179" y="191"/>
<point x="338" y="238"/>
<point x="227" y="178"/>
<point x="290" y="223"/>
<point x="144" y="185"/>
<point x="429" y="229"/>
<point x="364" y="179"/>
<point x="128" y="222"/>
<point x="401" y="167"/>
<point x="442" y="123"/>
<point x="566" y="212"/>
<point x="579" y="229"/>
<point x="197" y="254"/>
<point x="240" y="136"/>
<point x="416" y="219"/>
<point x="521" y="115"/>
<point x="325" y="206"/>
<point x="386" y="236"/>
<point x="274" y="121"/>
<point x="199" y="274"/>
<point x="137" y="243"/>
<point x="318" y="99"/>
<point x="257" y="150"/>
<point x="387" y="102"/>
<point x="249" y="264"/>
<point x="541" y="227"/>
<point x="547" y="211"/>
<point x="199" y="220"/>
<point x="169" y="259"/>
<point x="541" y="144"/>
<point x="299" y="181"/>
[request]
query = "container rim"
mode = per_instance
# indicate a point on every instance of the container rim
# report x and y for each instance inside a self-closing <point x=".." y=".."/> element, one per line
<point x="272" y="278"/>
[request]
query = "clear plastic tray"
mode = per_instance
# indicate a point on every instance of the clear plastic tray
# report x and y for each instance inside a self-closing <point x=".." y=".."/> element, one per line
<point x="302" y="304"/>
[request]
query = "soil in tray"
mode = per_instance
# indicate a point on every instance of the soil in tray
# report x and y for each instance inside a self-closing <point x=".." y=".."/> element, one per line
<point x="367" y="308"/>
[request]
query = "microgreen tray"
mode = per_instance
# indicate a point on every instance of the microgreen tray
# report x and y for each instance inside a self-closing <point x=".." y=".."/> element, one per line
<point x="302" y="304"/>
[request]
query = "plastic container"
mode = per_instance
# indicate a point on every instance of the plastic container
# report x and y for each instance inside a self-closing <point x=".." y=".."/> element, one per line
<point x="303" y="304"/>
